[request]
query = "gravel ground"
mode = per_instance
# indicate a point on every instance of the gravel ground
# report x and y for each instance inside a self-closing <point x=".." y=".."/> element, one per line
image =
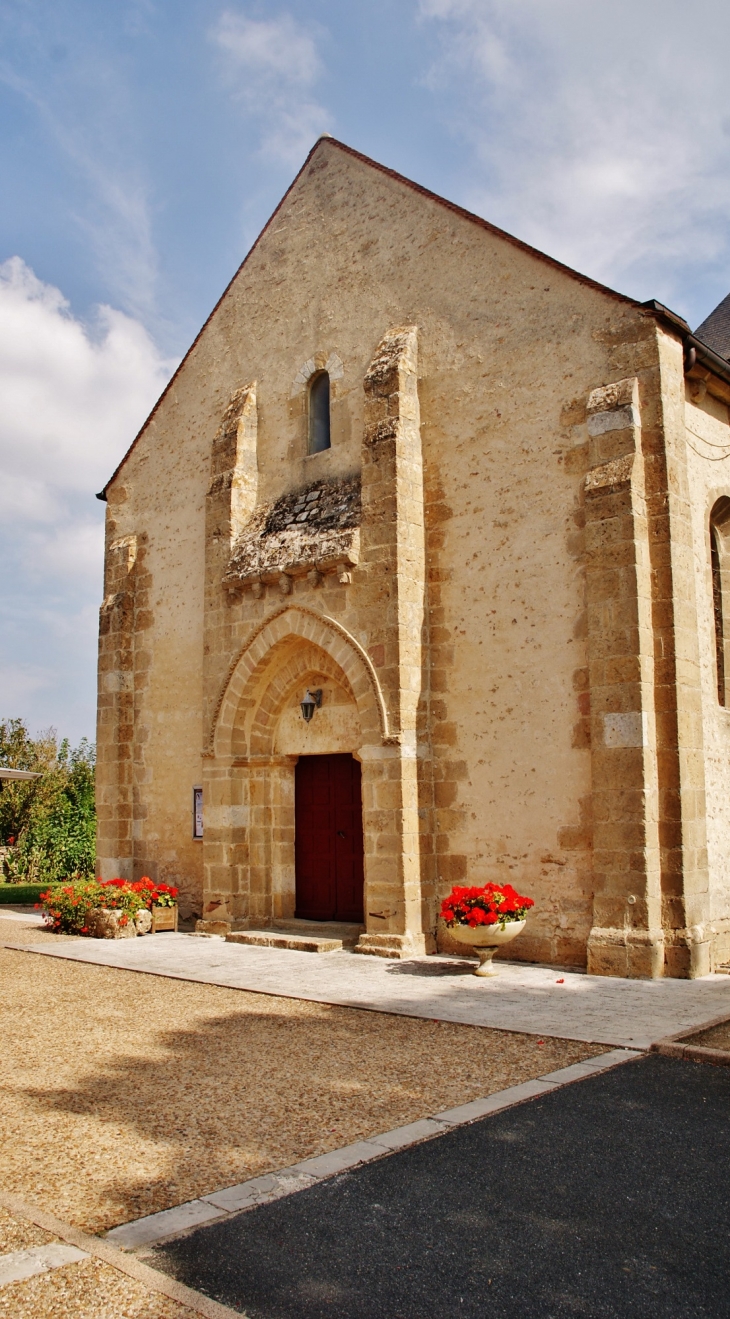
<point x="123" y="1094"/>
<point x="87" y="1290"/>
<point x="715" y="1037"/>
<point x="15" y="931"/>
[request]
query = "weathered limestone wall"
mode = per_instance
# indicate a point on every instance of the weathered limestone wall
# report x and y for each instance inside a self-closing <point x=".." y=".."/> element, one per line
<point x="708" y="466"/>
<point x="683" y="836"/>
<point x="149" y="752"/>
<point x="378" y="598"/>
<point x="115" y="720"/>
<point x="507" y="595"/>
<point x="652" y="887"/>
<point x="458" y="631"/>
<point x="627" y="937"/>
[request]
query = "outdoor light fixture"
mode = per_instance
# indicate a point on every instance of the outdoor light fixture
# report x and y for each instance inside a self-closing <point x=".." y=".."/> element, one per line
<point x="311" y="702"/>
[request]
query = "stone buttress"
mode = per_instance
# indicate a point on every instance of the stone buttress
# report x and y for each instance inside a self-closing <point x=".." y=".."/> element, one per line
<point x="650" y="868"/>
<point x="326" y="580"/>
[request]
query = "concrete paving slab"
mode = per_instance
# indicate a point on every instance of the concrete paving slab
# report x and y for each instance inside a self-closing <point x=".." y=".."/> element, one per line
<point x="409" y="1134"/>
<point x="349" y="1156"/>
<point x="604" y="1060"/>
<point x="576" y="1072"/>
<point x="515" y="1094"/>
<point x="260" y="1190"/>
<point x="168" y="1223"/>
<point x="534" y="999"/>
<point x="22" y="1264"/>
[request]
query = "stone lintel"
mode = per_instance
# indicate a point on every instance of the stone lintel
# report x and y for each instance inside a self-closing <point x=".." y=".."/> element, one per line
<point x="342" y="559"/>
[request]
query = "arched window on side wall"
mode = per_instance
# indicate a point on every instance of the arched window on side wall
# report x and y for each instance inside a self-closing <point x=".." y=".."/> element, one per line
<point x="319" y="413"/>
<point x="720" y="560"/>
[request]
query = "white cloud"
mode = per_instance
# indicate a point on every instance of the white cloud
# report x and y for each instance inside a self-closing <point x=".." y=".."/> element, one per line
<point x="274" y="65"/>
<point x="278" y="48"/>
<point x="72" y="398"/>
<point x="72" y="550"/>
<point x="601" y="130"/>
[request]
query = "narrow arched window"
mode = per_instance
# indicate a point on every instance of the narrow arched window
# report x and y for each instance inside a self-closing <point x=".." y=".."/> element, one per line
<point x="720" y="563"/>
<point x="717" y="609"/>
<point x="319" y="413"/>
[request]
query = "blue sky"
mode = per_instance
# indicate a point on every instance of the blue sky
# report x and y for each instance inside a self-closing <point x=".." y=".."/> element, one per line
<point x="145" y="142"/>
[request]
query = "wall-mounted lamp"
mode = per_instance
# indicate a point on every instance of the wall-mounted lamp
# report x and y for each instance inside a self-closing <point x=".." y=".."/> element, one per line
<point x="311" y="702"/>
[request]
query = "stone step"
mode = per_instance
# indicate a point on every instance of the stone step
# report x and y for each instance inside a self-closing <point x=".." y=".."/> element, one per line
<point x="302" y="943"/>
<point x="347" y="931"/>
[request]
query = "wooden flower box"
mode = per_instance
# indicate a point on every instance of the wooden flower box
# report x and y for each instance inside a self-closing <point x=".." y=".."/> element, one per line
<point x="163" y="918"/>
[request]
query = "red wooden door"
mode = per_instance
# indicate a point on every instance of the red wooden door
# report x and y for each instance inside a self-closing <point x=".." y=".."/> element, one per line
<point x="328" y="841"/>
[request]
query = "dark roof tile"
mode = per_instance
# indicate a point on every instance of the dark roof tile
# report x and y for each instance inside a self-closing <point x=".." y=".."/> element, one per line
<point x="715" y="329"/>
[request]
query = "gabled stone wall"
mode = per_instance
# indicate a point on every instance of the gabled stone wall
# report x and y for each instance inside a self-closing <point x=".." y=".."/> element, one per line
<point x="497" y="575"/>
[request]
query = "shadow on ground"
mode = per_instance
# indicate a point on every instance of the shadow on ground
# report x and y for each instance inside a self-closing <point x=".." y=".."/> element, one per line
<point x="422" y="968"/>
<point x="139" y="1114"/>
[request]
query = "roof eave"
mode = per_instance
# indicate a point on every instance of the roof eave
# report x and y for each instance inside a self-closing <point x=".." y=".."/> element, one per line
<point x="707" y="357"/>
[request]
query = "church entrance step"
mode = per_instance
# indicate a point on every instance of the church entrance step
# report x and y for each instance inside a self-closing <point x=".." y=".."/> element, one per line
<point x="303" y="943"/>
<point x="348" y="931"/>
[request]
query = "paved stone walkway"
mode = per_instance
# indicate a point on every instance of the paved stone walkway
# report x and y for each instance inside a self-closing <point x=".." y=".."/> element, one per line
<point x="535" y="999"/>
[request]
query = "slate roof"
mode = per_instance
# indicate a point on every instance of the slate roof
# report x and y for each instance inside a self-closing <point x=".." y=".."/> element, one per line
<point x="715" y="329"/>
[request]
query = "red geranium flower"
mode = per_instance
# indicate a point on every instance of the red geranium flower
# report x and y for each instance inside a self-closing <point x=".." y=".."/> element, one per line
<point x="490" y="904"/>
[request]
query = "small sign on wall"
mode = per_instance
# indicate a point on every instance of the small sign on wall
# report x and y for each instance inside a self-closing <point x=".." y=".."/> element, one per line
<point x="197" y="812"/>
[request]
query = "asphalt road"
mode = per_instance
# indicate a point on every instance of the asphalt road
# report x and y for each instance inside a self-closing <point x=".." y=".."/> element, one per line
<point x="607" y="1199"/>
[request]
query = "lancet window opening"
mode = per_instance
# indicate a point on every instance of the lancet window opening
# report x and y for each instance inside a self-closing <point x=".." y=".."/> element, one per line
<point x="720" y="563"/>
<point x="319" y="413"/>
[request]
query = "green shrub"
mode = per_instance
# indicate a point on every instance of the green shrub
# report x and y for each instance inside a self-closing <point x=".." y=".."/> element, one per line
<point x="50" y="822"/>
<point x="24" y="895"/>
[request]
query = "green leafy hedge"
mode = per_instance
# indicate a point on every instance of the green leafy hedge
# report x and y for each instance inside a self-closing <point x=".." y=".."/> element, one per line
<point x="24" y="895"/>
<point x="48" y="823"/>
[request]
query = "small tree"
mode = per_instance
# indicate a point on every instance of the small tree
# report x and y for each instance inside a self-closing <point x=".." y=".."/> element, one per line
<point x="49" y="823"/>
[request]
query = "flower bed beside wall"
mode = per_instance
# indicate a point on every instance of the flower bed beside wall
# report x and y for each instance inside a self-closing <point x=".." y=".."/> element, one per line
<point x="104" y="909"/>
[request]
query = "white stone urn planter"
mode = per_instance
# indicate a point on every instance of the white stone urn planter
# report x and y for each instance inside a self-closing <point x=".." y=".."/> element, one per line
<point x="485" y="940"/>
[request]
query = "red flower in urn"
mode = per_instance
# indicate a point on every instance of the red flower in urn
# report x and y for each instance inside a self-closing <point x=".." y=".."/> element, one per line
<point x="492" y="904"/>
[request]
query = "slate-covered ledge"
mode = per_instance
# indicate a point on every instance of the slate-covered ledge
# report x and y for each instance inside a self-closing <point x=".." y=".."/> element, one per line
<point x="308" y="533"/>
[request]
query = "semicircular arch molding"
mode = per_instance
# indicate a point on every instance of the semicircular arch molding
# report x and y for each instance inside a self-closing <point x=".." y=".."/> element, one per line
<point x="290" y="623"/>
<point x="303" y="665"/>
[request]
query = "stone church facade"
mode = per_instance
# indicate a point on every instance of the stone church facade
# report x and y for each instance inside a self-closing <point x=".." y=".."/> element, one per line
<point x="472" y="509"/>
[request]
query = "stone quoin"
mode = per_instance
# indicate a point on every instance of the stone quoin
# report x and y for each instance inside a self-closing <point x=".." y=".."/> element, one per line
<point x="482" y="504"/>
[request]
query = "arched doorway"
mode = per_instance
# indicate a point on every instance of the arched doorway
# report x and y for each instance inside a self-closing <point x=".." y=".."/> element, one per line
<point x="257" y="739"/>
<point x="328" y="838"/>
